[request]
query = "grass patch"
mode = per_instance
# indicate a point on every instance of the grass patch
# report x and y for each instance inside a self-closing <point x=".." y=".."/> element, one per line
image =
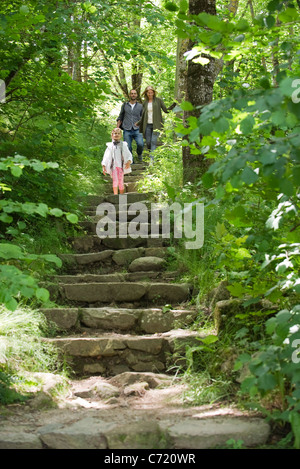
<point x="23" y="350"/>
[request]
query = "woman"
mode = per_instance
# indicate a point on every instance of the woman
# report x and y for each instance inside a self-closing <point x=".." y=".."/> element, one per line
<point x="151" y="121"/>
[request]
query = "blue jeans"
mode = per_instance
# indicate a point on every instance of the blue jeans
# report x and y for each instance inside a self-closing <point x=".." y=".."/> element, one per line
<point x="151" y="139"/>
<point x="132" y="134"/>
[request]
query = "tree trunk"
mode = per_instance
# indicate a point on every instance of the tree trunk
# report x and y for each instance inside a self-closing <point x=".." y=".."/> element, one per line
<point x="197" y="86"/>
<point x="136" y="79"/>
<point x="121" y="80"/>
<point x="181" y="70"/>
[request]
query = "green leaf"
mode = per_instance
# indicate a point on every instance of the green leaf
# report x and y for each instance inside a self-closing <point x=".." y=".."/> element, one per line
<point x="286" y="86"/>
<point x="220" y="230"/>
<point x="287" y="187"/>
<point x="206" y="128"/>
<point x="264" y="82"/>
<point x="289" y="15"/>
<point x="207" y="180"/>
<point x="52" y="258"/>
<point x="236" y="289"/>
<point x="221" y="125"/>
<point x="170" y="6"/>
<point x="42" y="294"/>
<point x="57" y="212"/>
<point x="16" y="171"/>
<point x="242" y="25"/>
<point x="270" y="21"/>
<point x="210" y="339"/>
<point x="249" y="176"/>
<point x="6" y="218"/>
<point x="10" y="251"/>
<point x="278" y="118"/>
<point x="194" y="134"/>
<point x="72" y="218"/>
<point x="239" y="38"/>
<point x="42" y="209"/>
<point x="24" y="9"/>
<point x="38" y="166"/>
<point x="266" y="382"/>
<point x="186" y="106"/>
<point x="183" y="6"/>
<point x="242" y="253"/>
<point x="247" y="124"/>
<point x="11" y="304"/>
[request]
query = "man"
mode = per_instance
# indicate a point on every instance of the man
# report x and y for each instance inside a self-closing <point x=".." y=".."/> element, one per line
<point x="131" y="113"/>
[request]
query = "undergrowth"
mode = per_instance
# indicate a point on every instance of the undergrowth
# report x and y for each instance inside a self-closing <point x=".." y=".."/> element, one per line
<point x="22" y="350"/>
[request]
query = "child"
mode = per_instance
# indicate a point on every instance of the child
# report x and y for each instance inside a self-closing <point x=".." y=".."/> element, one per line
<point x="117" y="160"/>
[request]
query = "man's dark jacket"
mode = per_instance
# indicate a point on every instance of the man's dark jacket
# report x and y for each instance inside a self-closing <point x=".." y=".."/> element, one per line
<point x="129" y="116"/>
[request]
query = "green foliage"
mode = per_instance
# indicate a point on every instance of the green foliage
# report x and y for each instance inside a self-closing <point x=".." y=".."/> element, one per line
<point x="23" y="350"/>
<point x="274" y="369"/>
<point x="8" y="395"/>
<point x="250" y="136"/>
<point x="18" y="268"/>
<point x="164" y="178"/>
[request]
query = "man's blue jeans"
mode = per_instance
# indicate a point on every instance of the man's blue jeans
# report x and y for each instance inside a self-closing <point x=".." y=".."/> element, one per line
<point x="132" y="134"/>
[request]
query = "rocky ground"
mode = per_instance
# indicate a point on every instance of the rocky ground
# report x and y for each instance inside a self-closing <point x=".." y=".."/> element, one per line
<point x="128" y="411"/>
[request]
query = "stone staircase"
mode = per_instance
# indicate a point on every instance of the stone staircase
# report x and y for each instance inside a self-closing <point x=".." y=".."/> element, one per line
<point x="122" y="325"/>
<point x="122" y="310"/>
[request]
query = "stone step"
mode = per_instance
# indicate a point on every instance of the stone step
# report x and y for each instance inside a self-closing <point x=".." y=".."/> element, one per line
<point x="130" y="186"/>
<point x="92" y="243"/>
<point x="153" y="293"/>
<point x="92" y="209"/>
<point x="160" y="430"/>
<point x="138" y="166"/>
<point x="121" y="257"/>
<point x="173" y="435"/>
<point x="146" y="215"/>
<point x="131" y="229"/>
<point x="131" y="197"/>
<point x="109" y="354"/>
<point x="132" y="177"/>
<point x="137" y="321"/>
<point x="116" y="277"/>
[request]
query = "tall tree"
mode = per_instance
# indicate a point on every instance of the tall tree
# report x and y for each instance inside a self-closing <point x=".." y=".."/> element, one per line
<point x="195" y="81"/>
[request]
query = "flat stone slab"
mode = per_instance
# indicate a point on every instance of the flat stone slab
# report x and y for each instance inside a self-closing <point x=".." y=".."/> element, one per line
<point x="169" y="293"/>
<point x="112" y="353"/>
<point x="90" y="346"/>
<point x="158" y="293"/>
<point x="64" y="318"/>
<point x="211" y="433"/>
<point x="121" y="257"/>
<point x="88" y="433"/>
<point x="109" y="318"/>
<point x="144" y="320"/>
<point x="90" y="258"/>
<point x="131" y="197"/>
<point x="91" y="278"/>
<point x="120" y="428"/>
<point x="104" y="292"/>
<point x="19" y="440"/>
